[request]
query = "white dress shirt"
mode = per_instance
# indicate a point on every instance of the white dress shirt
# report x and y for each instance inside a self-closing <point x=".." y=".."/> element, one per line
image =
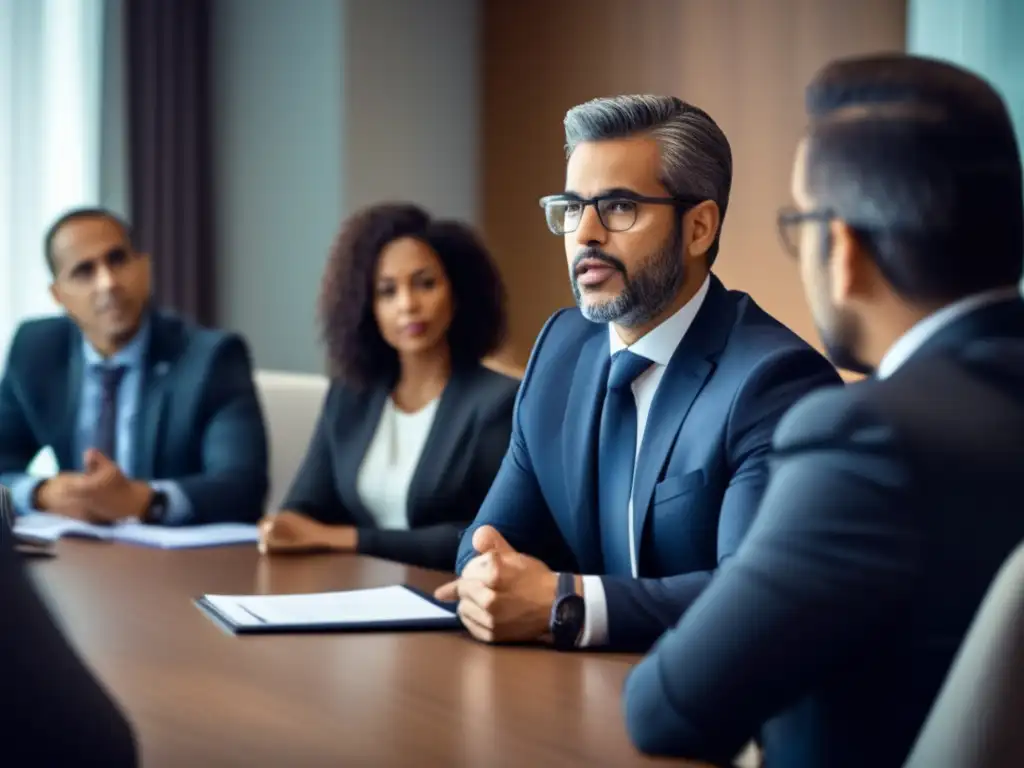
<point x="658" y="345"/>
<point x="390" y="463"/>
<point x="911" y="341"/>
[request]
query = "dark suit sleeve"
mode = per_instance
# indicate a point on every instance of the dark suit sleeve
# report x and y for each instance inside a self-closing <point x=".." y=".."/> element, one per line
<point x="57" y="713"/>
<point x="313" y="491"/>
<point x="640" y="610"/>
<point x="832" y="555"/>
<point x="234" y="481"/>
<point x="18" y="443"/>
<point x="435" y="546"/>
<point x="514" y="504"/>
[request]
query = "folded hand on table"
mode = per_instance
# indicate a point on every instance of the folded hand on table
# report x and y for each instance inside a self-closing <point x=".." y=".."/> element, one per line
<point x="289" y="531"/>
<point x="503" y="595"/>
<point x="100" y="494"/>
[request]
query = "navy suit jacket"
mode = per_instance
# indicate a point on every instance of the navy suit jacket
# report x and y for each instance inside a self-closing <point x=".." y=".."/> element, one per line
<point x="200" y="422"/>
<point x="891" y="506"/>
<point x="700" y="472"/>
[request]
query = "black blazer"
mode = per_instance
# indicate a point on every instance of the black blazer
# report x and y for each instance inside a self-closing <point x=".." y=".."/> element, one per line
<point x="200" y="421"/>
<point x="892" y="505"/>
<point x="464" y="448"/>
<point x="57" y="713"/>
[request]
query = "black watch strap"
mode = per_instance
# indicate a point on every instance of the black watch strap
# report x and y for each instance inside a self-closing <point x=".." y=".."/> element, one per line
<point x="567" y="613"/>
<point x="157" y="509"/>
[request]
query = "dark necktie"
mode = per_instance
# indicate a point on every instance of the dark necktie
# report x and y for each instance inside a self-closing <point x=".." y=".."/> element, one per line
<point x="105" y="438"/>
<point x="616" y="460"/>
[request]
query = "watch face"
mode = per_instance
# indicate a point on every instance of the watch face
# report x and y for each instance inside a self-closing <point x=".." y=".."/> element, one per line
<point x="569" y="610"/>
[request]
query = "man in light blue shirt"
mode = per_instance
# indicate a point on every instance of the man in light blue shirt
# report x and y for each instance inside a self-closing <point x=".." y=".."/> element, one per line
<point x="149" y="417"/>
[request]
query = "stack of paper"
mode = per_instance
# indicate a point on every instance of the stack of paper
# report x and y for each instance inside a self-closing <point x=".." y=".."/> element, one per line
<point x="395" y="607"/>
<point x="45" y="526"/>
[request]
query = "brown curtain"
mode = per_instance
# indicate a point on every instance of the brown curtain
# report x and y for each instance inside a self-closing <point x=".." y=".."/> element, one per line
<point x="167" y="63"/>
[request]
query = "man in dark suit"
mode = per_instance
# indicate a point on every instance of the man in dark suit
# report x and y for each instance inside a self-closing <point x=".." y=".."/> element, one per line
<point x="148" y="416"/>
<point x="57" y="713"/>
<point x="662" y="369"/>
<point x="893" y="501"/>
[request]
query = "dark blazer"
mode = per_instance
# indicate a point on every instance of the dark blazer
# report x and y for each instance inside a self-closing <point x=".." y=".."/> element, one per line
<point x="200" y="423"/>
<point x="891" y="506"/>
<point x="57" y="713"/>
<point x="701" y="469"/>
<point x="465" y="445"/>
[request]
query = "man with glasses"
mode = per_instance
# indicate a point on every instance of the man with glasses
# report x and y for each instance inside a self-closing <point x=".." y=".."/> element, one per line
<point x="644" y="421"/>
<point x="893" y="501"/>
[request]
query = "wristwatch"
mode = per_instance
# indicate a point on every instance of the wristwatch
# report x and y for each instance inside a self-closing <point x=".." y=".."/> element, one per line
<point x="567" y="614"/>
<point x="157" y="509"/>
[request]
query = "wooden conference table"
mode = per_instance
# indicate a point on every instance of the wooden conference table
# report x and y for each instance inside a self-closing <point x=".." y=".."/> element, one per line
<point x="197" y="695"/>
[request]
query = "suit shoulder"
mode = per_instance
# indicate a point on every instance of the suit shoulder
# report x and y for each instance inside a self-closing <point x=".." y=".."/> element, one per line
<point x="758" y="332"/>
<point x="200" y="340"/>
<point x="38" y="345"/>
<point x="41" y="331"/>
<point x="830" y="415"/>
<point x="492" y="385"/>
<point x="559" y="340"/>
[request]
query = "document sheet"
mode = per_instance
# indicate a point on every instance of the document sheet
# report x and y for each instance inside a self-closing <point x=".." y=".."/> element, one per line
<point x="361" y="606"/>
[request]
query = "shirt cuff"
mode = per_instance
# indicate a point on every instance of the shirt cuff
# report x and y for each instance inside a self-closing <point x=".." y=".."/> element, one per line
<point x="23" y="488"/>
<point x="179" y="507"/>
<point x="595" y="613"/>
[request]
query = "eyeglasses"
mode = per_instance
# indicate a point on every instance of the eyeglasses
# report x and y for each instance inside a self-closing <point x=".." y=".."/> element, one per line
<point x="790" y="220"/>
<point x="617" y="211"/>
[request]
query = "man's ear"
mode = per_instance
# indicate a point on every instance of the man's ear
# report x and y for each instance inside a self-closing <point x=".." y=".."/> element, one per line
<point x="850" y="266"/>
<point x="704" y="220"/>
<point x="55" y="293"/>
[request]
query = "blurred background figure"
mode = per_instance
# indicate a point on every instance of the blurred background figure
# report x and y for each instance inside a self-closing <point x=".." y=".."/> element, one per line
<point x="414" y="426"/>
<point x="148" y="416"/>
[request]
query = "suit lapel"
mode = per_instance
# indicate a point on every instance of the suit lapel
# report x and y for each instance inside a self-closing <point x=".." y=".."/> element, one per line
<point x="689" y="368"/>
<point x="159" y="357"/>
<point x="436" y="454"/>
<point x="354" y="433"/>
<point x="582" y="420"/>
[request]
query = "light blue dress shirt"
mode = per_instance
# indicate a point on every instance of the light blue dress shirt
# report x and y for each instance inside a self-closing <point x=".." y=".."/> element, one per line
<point x="132" y="357"/>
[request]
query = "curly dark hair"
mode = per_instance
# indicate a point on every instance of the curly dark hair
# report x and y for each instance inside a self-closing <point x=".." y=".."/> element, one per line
<point x="356" y="351"/>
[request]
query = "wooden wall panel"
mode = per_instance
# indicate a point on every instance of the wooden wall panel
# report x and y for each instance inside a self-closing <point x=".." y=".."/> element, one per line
<point x="744" y="61"/>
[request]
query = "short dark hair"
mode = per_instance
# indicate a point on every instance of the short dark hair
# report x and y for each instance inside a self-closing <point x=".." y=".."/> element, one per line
<point x="77" y="214"/>
<point x="357" y="353"/>
<point x="696" y="157"/>
<point x="920" y="158"/>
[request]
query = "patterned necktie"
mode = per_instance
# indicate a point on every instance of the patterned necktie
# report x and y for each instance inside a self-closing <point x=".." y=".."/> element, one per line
<point x="105" y="438"/>
<point x="616" y="461"/>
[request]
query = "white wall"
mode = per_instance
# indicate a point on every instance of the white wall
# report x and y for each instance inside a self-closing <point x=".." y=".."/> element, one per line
<point x="322" y="107"/>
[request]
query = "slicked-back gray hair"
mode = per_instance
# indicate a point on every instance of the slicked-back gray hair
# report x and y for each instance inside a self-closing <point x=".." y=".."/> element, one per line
<point x="696" y="159"/>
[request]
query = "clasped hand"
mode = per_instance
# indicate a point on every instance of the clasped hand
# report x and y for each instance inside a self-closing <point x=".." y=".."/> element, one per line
<point x="100" y="494"/>
<point x="294" y="532"/>
<point x="503" y="595"/>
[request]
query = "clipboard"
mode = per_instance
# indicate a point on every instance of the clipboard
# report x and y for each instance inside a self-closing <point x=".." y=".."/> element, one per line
<point x="231" y="614"/>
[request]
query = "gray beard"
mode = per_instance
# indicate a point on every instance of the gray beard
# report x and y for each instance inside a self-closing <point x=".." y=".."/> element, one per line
<point x="647" y="294"/>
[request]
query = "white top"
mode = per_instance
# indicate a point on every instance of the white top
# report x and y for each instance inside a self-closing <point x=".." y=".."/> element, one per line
<point x="911" y="341"/>
<point x="659" y="344"/>
<point x="390" y="462"/>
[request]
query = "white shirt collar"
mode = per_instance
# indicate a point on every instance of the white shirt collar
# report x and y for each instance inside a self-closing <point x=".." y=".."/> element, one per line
<point x="659" y="344"/>
<point x="911" y="341"/>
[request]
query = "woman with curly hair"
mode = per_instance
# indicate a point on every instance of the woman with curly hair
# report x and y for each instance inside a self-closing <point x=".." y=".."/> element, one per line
<point x="413" y="427"/>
